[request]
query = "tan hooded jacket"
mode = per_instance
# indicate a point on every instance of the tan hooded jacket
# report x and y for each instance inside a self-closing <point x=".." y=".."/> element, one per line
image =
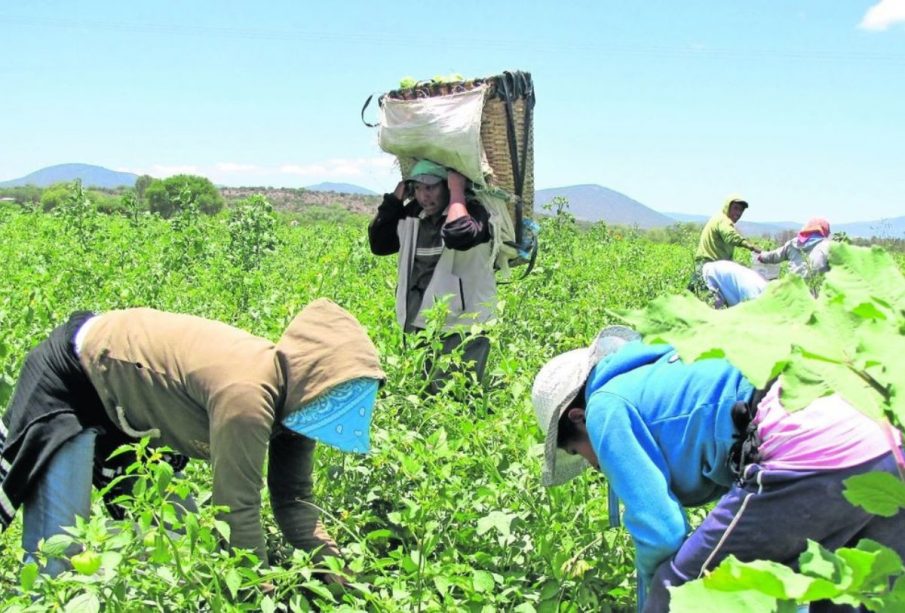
<point x="212" y="391"/>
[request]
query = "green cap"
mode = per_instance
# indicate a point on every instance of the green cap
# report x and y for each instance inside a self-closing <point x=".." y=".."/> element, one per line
<point x="427" y="172"/>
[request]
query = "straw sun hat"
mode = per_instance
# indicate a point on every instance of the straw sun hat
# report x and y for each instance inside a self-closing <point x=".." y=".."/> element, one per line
<point x="556" y="386"/>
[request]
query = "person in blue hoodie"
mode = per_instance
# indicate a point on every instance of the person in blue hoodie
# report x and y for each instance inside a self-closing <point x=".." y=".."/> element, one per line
<point x="669" y="435"/>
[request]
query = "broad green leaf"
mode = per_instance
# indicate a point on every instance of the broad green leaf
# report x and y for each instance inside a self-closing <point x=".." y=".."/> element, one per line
<point x="894" y="602"/>
<point x="864" y="276"/>
<point x="771" y="578"/>
<point x="696" y="596"/>
<point x="409" y="565"/>
<point x="851" y="340"/>
<point x="222" y="529"/>
<point x="881" y="354"/>
<point x="496" y="519"/>
<point x="163" y="475"/>
<point x="887" y="561"/>
<point x="56" y="545"/>
<point x="805" y="380"/>
<point x="83" y="603"/>
<point x="110" y="560"/>
<point x="166" y="573"/>
<point x="233" y="581"/>
<point x="482" y="581"/>
<point x="755" y="336"/>
<point x="27" y="575"/>
<point x="267" y="605"/>
<point x="871" y="564"/>
<point x="442" y="584"/>
<point x="549" y="590"/>
<point x="319" y="589"/>
<point x="816" y="561"/>
<point x="379" y="535"/>
<point x="879" y="493"/>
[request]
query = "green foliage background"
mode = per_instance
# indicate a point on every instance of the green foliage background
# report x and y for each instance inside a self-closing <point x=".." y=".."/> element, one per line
<point x="447" y="512"/>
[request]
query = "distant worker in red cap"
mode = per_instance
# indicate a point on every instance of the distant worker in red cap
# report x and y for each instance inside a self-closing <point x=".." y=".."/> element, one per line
<point x="807" y="253"/>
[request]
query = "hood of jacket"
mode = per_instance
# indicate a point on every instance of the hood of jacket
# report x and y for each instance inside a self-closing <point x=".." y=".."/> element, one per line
<point x="729" y="201"/>
<point x="324" y="346"/>
<point x="632" y="355"/>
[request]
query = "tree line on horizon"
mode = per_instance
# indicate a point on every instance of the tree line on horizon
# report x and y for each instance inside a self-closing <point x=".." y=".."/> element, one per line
<point x="167" y="197"/>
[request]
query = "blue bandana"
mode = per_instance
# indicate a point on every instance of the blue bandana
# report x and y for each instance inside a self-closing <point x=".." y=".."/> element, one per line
<point x="340" y="417"/>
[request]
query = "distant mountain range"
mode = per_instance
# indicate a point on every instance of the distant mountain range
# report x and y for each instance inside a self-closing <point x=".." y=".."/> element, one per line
<point x="340" y="188"/>
<point x="91" y="176"/>
<point x="597" y="203"/>
<point x="586" y="202"/>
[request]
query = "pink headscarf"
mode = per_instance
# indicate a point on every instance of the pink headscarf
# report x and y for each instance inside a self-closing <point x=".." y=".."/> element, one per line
<point x="816" y="227"/>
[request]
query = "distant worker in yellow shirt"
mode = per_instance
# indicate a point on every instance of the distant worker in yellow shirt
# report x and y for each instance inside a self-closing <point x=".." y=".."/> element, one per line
<point x="719" y="238"/>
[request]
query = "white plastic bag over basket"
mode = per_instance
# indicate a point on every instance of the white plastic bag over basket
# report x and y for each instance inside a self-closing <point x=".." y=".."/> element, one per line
<point x="443" y="129"/>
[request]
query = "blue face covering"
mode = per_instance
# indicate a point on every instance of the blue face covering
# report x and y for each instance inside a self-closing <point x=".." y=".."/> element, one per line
<point x="340" y="417"/>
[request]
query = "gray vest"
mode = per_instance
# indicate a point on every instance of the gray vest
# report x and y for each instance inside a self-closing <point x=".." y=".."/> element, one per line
<point x="467" y="276"/>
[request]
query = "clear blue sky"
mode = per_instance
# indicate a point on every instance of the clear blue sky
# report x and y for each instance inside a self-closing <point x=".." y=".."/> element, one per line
<point x="797" y="105"/>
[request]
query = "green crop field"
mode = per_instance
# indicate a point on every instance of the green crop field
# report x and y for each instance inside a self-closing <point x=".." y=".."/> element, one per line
<point x="446" y="513"/>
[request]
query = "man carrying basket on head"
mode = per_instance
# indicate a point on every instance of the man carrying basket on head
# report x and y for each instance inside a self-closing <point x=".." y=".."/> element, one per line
<point x="443" y="239"/>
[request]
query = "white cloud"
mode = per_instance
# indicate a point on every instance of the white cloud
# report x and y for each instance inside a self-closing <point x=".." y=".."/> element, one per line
<point x="340" y="168"/>
<point x="370" y="171"/>
<point x="883" y="14"/>
<point x="308" y="170"/>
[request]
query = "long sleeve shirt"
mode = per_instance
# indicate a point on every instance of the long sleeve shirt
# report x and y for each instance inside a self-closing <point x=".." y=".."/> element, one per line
<point x="460" y="234"/>
<point x="805" y="258"/>
<point x="719" y="238"/>
<point x="434" y="235"/>
<point x="662" y="431"/>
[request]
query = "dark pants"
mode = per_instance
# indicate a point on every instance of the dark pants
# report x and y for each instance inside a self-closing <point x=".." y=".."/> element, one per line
<point x="771" y="516"/>
<point x="474" y="356"/>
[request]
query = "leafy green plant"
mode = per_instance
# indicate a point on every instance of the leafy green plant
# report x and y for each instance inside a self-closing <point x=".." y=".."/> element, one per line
<point x="252" y="232"/>
<point x="189" y="244"/>
<point x="851" y="341"/>
<point x="166" y="197"/>
<point x="446" y="514"/>
<point x="79" y="213"/>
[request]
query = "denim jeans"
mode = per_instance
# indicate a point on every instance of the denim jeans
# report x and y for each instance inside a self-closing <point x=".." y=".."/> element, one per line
<point x="61" y="494"/>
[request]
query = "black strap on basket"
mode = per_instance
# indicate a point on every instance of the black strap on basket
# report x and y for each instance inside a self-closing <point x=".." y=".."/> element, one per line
<point x="364" y="108"/>
<point x="510" y="87"/>
<point x="531" y="260"/>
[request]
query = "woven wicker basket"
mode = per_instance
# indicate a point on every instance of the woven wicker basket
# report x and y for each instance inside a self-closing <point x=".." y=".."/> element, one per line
<point x="495" y="129"/>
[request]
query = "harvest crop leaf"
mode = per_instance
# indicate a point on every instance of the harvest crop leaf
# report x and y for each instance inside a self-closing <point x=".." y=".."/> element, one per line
<point x="850" y="340"/>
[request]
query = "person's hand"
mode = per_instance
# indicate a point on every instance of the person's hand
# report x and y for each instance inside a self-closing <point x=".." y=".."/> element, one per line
<point x="400" y="190"/>
<point x="455" y="181"/>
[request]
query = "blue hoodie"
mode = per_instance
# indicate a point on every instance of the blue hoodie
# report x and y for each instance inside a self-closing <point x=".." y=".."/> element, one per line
<point x="662" y="430"/>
